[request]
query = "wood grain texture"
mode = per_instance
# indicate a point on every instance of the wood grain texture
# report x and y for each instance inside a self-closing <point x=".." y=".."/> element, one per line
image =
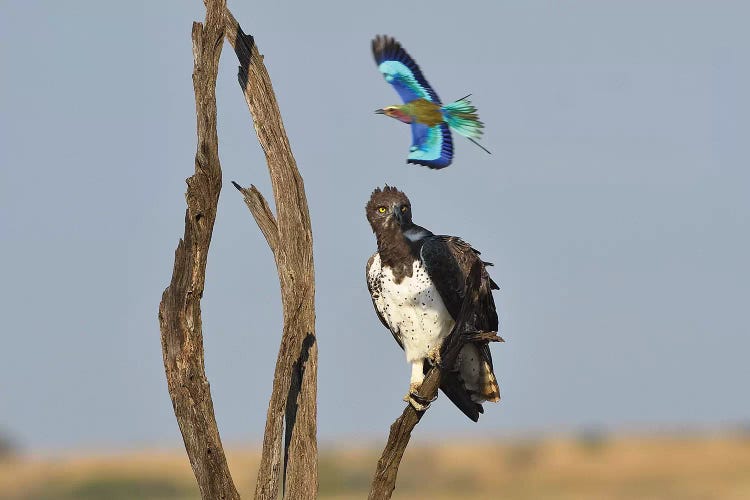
<point x="261" y="213"/>
<point x="465" y="330"/>
<point x="293" y="403"/>
<point x="179" y="310"/>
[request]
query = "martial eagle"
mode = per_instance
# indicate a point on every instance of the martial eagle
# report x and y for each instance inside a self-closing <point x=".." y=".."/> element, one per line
<point x="416" y="280"/>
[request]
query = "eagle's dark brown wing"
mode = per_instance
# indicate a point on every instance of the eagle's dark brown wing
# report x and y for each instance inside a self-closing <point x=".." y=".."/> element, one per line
<point x="448" y="261"/>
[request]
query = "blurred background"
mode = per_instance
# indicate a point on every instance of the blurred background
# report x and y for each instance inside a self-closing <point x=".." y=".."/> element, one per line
<point x="615" y="207"/>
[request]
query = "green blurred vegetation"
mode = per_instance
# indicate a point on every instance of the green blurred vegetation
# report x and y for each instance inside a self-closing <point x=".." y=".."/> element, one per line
<point x="590" y="465"/>
<point x="114" y="488"/>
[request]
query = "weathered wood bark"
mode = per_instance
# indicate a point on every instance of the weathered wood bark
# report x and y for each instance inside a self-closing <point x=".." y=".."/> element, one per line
<point x="294" y="395"/>
<point x="179" y="310"/>
<point x="464" y="331"/>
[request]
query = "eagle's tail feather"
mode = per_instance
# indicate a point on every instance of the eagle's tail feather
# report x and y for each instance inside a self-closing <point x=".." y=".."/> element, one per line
<point x="453" y="387"/>
<point x="475" y="370"/>
<point x="488" y="388"/>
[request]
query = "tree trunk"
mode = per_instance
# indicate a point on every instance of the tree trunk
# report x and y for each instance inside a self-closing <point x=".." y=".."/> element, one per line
<point x="294" y="397"/>
<point x="179" y="310"/>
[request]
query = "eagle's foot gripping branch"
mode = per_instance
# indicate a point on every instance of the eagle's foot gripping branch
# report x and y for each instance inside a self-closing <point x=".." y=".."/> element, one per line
<point x="416" y="401"/>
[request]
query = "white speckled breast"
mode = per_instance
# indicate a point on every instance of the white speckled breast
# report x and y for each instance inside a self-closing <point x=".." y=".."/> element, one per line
<point x="413" y="309"/>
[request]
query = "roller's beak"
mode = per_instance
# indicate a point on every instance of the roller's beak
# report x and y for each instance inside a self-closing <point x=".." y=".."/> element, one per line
<point x="379" y="112"/>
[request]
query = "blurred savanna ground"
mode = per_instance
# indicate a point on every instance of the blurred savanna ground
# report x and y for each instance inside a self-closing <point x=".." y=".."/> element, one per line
<point x="591" y="465"/>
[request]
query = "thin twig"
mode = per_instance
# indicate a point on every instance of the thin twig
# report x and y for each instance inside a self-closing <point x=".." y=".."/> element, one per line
<point x="261" y="213"/>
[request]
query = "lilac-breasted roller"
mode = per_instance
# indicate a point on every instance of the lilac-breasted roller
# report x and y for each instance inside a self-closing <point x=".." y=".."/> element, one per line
<point x="431" y="121"/>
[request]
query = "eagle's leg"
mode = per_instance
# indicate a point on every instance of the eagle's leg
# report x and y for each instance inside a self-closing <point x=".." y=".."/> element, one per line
<point x="412" y="397"/>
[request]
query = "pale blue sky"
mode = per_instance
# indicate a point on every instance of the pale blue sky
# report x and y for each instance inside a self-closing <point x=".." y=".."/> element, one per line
<point x="615" y="207"/>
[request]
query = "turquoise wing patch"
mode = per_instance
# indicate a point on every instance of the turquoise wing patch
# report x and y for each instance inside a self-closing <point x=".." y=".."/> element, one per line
<point x="431" y="146"/>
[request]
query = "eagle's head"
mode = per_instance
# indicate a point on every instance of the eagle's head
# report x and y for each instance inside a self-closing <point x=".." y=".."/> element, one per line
<point x="388" y="209"/>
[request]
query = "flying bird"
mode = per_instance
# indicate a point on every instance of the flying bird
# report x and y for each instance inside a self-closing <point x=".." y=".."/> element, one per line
<point x="431" y="121"/>
<point x="416" y="280"/>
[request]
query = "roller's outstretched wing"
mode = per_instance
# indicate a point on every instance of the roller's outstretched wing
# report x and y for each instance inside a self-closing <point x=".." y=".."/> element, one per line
<point x="400" y="70"/>
<point x="431" y="146"/>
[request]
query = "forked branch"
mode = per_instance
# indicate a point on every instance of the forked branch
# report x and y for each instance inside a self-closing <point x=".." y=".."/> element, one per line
<point x="294" y="395"/>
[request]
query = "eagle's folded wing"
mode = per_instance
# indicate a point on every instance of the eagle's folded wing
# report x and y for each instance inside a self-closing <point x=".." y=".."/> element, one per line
<point x="448" y="261"/>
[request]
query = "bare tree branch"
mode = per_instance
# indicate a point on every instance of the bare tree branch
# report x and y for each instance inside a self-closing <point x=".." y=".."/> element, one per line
<point x="179" y="310"/>
<point x="261" y="213"/>
<point x="294" y="394"/>
<point x="384" y="481"/>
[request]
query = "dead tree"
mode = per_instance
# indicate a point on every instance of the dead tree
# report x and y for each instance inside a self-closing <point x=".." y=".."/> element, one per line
<point x="465" y="330"/>
<point x="294" y="395"/>
<point x="294" y="398"/>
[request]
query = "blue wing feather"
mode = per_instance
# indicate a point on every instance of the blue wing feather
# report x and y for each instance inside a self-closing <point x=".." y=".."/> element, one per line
<point x="431" y="146"/>
<point x="400" y="70"/>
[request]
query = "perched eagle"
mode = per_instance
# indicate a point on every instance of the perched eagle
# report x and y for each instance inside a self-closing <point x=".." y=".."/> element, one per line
<point x="416" y="280"/>
<point x="431" y="121"/>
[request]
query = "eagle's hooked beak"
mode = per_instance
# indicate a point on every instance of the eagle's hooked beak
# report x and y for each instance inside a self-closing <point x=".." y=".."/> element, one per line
<point x="398" y="216"/>
<point x="379" y="112"/>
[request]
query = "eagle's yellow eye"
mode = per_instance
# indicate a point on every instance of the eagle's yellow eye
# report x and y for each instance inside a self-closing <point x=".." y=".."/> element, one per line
<point x="403" y="209"/>
<point x="381" y="210"/>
